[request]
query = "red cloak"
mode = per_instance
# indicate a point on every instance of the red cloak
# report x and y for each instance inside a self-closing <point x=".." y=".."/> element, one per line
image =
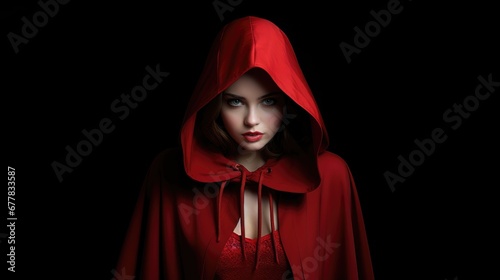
<point x="190" y="201"/>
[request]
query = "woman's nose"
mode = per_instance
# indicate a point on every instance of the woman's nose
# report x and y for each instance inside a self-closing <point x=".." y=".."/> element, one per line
<point x="252" y="117"/>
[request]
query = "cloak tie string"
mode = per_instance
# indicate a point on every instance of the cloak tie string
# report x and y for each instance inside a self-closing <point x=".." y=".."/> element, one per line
<point x="242" y="216"/>
<point x="273" y="237"/>
<point x="219" y="202"/>
<point x="242" y="212"/>
<point x="271" y="217"/>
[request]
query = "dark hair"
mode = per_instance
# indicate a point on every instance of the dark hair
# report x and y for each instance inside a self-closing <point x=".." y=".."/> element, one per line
<point x="293" y="136"/>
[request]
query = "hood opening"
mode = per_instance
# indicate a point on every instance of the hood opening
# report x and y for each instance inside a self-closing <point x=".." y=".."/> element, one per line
<point x="294" y="137"/>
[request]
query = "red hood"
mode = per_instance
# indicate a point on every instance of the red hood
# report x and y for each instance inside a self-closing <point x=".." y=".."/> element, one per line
<point x="243" y="44"/>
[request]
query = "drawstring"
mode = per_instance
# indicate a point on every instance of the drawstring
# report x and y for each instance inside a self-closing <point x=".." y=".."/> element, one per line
<point x="271" y="216"/>
<point x="219" y="202"/>
<point x="242" y="212"/>
<point x="259" y="227"/>
<point x="242" y="215"/>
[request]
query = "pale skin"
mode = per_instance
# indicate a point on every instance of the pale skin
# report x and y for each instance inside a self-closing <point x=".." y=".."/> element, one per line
<point x="253" y="103"/>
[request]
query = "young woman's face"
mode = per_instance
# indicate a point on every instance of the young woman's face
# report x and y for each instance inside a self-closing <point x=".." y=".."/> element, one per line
<point x="252" y="110"/>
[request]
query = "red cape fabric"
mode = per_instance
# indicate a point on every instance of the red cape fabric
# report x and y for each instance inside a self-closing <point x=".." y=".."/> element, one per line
<point x="184" y="216"/>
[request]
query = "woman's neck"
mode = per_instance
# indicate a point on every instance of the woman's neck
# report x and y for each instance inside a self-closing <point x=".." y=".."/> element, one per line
<point x="251" y="160"/>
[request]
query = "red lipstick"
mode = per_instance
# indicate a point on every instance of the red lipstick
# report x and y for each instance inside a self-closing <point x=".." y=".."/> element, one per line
<point x="252" y="136"/>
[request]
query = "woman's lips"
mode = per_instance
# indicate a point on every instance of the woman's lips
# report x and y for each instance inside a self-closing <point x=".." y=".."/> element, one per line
<point x="252" y="136"/>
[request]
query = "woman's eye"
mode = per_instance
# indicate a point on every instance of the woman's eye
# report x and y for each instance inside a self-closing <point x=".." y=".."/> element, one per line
<point x="234" y="102"/>
<point x="269" y="101"/>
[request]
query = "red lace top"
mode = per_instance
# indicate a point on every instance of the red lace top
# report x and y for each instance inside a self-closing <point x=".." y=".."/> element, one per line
<point x="269" y="263"/>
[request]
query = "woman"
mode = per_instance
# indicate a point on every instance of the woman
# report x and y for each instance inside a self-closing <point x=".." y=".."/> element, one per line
<point x="252" y="192"/>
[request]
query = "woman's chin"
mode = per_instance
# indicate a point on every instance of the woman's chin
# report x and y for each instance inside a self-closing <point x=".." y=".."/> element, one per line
<point x="249" y="148"/>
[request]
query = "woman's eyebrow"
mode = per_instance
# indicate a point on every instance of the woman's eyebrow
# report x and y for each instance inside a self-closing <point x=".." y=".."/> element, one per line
<point x="224" y="94"/>
<point x="270" y="94"/>
<point x="243" y="98"/>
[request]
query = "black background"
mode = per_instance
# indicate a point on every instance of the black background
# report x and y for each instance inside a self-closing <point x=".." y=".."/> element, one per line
<point x="437" y="224"/>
